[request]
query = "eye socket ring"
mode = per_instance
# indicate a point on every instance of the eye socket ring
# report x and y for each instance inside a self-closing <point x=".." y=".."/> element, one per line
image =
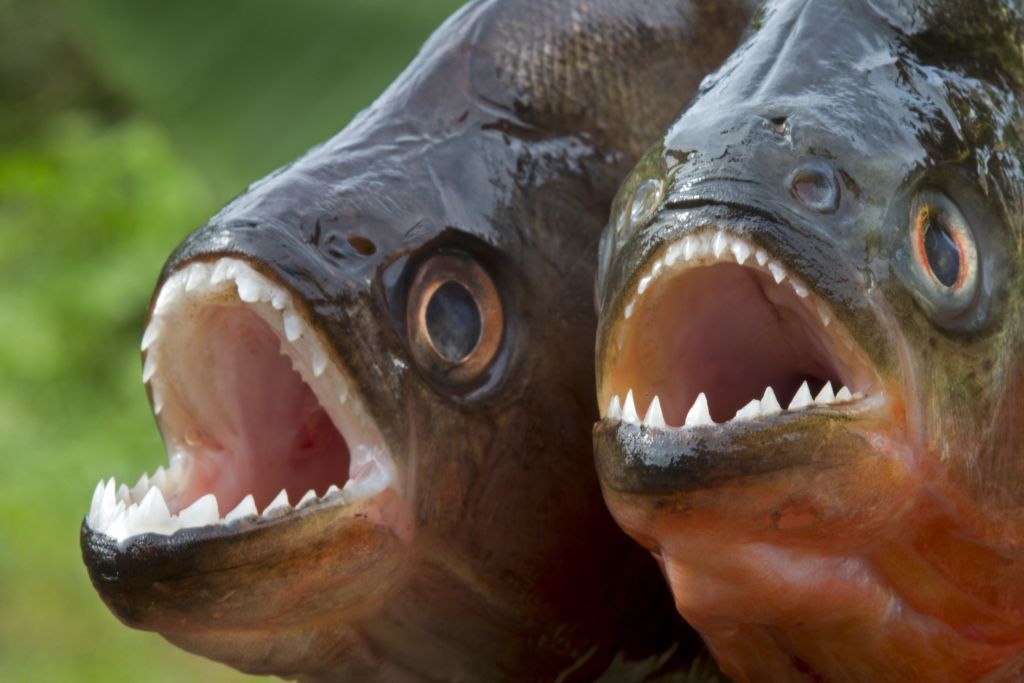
<point x="454" y="318"/>
<point x="945" y="253"/>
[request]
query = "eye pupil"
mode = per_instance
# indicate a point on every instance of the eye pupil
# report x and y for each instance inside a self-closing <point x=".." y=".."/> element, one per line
<point x="942" y="252"/>
<point x="453" y="321"/>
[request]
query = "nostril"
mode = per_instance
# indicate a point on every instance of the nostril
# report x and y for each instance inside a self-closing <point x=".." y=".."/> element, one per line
<point x="815" y="185"/>
<point x="779" y="125"/>
<point x="363" y="245"/>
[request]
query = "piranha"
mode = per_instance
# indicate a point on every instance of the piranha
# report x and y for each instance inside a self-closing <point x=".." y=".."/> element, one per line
<point x="372" y="372"/>
<point x="810" y="355"/>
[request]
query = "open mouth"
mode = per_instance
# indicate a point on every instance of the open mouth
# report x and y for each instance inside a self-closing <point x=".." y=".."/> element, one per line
<point x="717" y="332"/>
<point x="253" y="410"/>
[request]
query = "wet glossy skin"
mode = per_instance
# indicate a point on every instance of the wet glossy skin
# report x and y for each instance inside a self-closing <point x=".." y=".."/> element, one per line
<point x="496" y="559"/>
<point x="881" y="540"/>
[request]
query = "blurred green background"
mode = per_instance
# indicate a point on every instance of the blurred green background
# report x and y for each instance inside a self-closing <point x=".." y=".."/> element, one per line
<point x="124" y="124"/>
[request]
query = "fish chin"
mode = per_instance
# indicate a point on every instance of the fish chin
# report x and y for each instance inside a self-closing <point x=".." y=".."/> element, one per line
<point x="268" y="443"/>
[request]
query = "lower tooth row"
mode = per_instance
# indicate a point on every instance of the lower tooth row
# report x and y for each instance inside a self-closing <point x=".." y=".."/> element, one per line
<point x="699" y="414"/>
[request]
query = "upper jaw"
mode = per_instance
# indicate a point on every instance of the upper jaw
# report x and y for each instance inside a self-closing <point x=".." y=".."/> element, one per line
<point x="226" y="442"/>
<point x="717" y="336"/>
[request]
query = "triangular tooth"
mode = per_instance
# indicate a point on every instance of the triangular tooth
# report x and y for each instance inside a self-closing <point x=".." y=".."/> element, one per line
<point x="689" y="248"/>
<point x="151" y="334"/>
<point x="614" y="409"/>
<point x="761" y="256"/>
<point x="740" y="251"/>
<point x="333" y="488"/>
<point x="699" y="414"/>
<point x="169" y="293"/>
<point x="719" y="244"/>
<point x="826" y="395"/>
<point x="115" y="525"/>
<point x="123" y="493"/>
<point x="153" y="515"/>
<point x="823" y="313"/>
<point x="777" y="271"/>
<point x="629" y="410"/>
<point x="141" y="486"/>
<point x="279" y="298"/>
<point x="629" y="309"/>
<point x="246" y="508"/>
<point x="319" y="360"/>
<point x="159" y="478"/>
<point x="308" y="497"/>
<point x="800" y="290"/>
<point x="148" y="368"/>
<point x="673" y="253"/>
<point x="770" y="404"/>
<point x="220" y="272"/>
<point x="198" y="275"/>
<point x="645" y="282"/>
<point x="292" y="326"/>
<point x="843" y="395"/>
<point x="97" y="496"/>
<point x="654" y="417"/>
<point x="200" y="513"/>
<point x="749" y="411"/>
<point x="280" y="502"/>
<point x="656" y="268"/>
<point x="803" y="397"/>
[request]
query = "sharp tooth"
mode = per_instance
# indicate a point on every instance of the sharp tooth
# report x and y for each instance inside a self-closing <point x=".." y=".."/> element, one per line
<point x="200" y="513"/>
<point x="629" y="309"/>
<point x="699" y="414"/>
<point x="719" y="244"/>
<point x="826" y="395"/>
<point x="690" y="245"/>
<point x="148" y="368"/>
<point x="673" y="254"/>
<point x="802" y="399"/>
<point x="740" y="251"/>
<point x="168" y="294"/>
<point x="198" y="275"/>
<point x="644" y="284"/>
<point x="107" y="506"/>
<point x="770" y="404"/>
<point x="844" y="395"/>
<point x="823" y="312"/>
<point x="220" y="272"/>
<point x="246" y="508"/>
<point x="292" y="326"/>
<point x="153" y="515"/>
<point x="614" y="409"/>
<point x="654" y="417"/>
<point x="629" y="410"/>
<point x="800" y="290"/>
<point x="280" y="503"/>
<point x="124" y="494"/>
<point x="333" y="488"/>
<point x="777" y="272"/>
<point x="762" y="258"/>
<point x="656" y="268"/>
<point x="97" y="496"/>
<point x="159" y="478"/>
<point x="309" y="497"/>
<point x="248" y="287"/>
<point x="279" y="298"/>
<point x="151" y="334"/>
<point x="749" y="411"/>
<point x="116" y="524"/>
<point x="141" y="486"/>
<point x="158" y="400"/>
<point x="319" y="360"/>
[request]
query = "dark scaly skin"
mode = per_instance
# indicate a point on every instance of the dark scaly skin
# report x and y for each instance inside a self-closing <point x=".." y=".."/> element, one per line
<point x="504" y="140"/>
<point x="899" y="534"/>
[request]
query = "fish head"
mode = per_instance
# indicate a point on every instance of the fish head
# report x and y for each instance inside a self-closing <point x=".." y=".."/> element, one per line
<point x="373" y="375"/>
<point x="809" y="351"/>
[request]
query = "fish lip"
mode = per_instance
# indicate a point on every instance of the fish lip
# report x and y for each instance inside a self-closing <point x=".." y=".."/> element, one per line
<point x="624" y="464"/>
<point x="244" y="283"/>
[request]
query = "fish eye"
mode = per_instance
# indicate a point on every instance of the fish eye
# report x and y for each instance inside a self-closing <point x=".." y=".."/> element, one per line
<point x="945" y="253"/>
<point x="454" y="317"/>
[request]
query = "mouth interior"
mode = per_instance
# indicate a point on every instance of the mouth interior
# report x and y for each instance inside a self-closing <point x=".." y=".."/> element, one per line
<point x="247" y="418"/>
<point x="728" y="331"/>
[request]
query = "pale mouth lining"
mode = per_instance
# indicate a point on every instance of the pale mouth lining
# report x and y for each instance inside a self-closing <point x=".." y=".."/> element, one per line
<point x="253" y="410"/>
<point x="717" y="331"/>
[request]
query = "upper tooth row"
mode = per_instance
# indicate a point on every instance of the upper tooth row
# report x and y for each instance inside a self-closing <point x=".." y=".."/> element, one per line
<point x="716" y="245"/>
<point x="699" y="415"/>
<point x="252" y="288"/>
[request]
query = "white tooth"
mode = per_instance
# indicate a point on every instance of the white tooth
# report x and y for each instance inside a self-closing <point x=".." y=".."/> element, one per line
<point x="826" y="395"/>
<point x="654" y="417"/>
<point x="719" y="244"/>
<point x="699" y="414"/>
<point x="629" y="309"/>
<point x="823" y="312"/>
<point x="159" y="478"/>
<point x="656" y="268"/>
<point x="148" y="368"/>
<point x="124" y="494"/>
<point x="333" y="488"/>
<point x="220" y="272"/>
<point x="248" y="288"/>
<point x="200" y="513"/>
<point x="802" y="399"/>
<point x="777" y="272"/>
<point x="246" y="508"/>
<point x="800" y="290"/>
<point x="319" y="360"/>
<point x="292" y="326"/>
<point x="107" y="506"/>
<point x="151" y="334"/>
<point x="644" y="284"/>
<point x="629" y="410"/>
<point x="116" y="524"/>
<point x="279" y="298"/>
<point x="94" y="505"/>
<point x="153" y="515"/>
<point x="689" y="248"/>
<point x="740" y="251"/>
<point x="141" y="486"/>
<point x="843" y="395"/>
<point x="309" y="497"/>
<point x="770" y="404"/>
<point x="158" y="400"/>
<point x="198" y="275"/>
<point x="614" y="411"/>
<point x="762" y="258"/>
<point x="749" y="411"/>
<point x="279" y="503"/>
<point x="234" y="268"/>
<point x="673" y="254"/>
<point x="168" y="294"/>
